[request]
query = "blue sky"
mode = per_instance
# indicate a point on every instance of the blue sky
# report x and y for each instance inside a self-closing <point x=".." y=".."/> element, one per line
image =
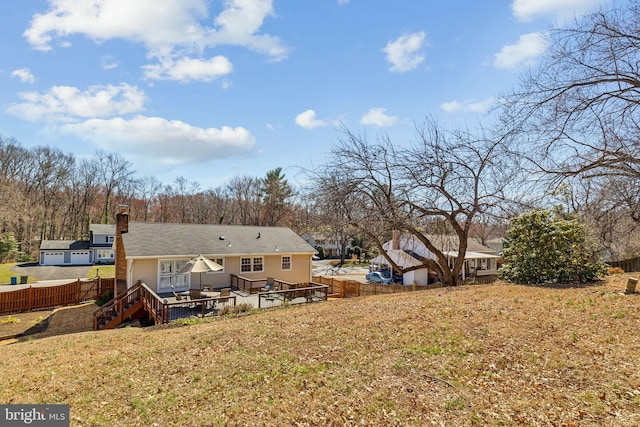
<point x="209" y="90"/>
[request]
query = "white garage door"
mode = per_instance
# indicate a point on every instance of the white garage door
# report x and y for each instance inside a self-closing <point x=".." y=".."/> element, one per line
<point x="53" y="258"/>
<point x="80" y="257"/>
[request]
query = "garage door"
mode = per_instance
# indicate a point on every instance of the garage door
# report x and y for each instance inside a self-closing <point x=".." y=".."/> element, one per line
<point x="53" y="258"/>
<point x="80" y="257"/>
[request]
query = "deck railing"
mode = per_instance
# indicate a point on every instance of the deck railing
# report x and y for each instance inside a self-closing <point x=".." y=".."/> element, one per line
<point x="159" y="309"/>
<point x="300" y="293"/>
<point x="252" y="286"/>
<point x="117" y="310"/>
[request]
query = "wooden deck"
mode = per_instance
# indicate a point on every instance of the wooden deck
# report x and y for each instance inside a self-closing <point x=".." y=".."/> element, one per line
<point x="140" y="300"/>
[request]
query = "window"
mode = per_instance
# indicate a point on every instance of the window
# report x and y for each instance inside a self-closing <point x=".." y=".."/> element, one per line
<point x="251" y="264"/>
<point x="286" y="262"/>
<point x="110" y="239"/>
<point x="245" y="265"/>
<point x="168" y="275"/>
<point x="104" y="253"/>
<point x="217" y="261"/>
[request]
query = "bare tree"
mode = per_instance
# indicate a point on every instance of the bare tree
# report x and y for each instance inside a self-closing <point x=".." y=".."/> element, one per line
<point x="80" y="194"/>
<point x="245" y="196"/>
<point x="445" y="178"/>
<point x="50" y="171"/>
<point x="147" y="189"/>
<point x="577" y="112"/>
<point x="114" y="172"/>
<point x="333" y="216"/>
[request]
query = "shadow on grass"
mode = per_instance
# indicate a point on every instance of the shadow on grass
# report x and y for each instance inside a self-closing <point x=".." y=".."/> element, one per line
<point x="573" y="285"/>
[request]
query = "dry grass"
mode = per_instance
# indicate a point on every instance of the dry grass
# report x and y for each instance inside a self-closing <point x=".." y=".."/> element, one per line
<point x="473" y="355"/>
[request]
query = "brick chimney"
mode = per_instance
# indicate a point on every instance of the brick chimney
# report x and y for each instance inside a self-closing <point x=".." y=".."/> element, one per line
<point x="122" y="226"/>
<point x="395" y="240"/>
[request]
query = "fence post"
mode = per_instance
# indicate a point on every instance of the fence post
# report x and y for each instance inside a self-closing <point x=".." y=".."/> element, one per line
<point x="30" y="298"/>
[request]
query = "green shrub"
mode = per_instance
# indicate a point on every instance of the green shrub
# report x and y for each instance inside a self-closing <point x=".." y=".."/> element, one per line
<point x="104" y="298"/>
<point x="544" y="247"/>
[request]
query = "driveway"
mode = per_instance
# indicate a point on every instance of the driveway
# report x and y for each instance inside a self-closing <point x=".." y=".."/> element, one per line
<point x="324" y="268"/>
<point x="49" y="272"/>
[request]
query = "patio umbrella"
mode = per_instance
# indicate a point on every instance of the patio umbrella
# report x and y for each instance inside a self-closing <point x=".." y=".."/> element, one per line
<point x="200" y="265"/>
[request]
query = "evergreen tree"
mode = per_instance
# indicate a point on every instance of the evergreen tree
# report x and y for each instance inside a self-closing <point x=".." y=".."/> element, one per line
<point x="546" y="247"/>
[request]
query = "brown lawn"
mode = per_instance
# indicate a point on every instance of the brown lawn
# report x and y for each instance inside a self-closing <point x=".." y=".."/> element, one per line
<point x="473" y="355"/>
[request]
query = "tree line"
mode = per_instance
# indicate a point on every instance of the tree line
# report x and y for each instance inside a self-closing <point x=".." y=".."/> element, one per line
<point x="46" y="194"/>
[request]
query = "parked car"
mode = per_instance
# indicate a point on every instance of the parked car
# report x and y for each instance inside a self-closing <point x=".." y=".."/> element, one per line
<point x="378" y="277"/>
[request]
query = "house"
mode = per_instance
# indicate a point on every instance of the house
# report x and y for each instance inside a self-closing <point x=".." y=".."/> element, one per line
<point x="331" y="248"/>
<point x="101" y="242"/>
<point x="152" y="253"/>
<point x="97" y="250"/>
<point x="407" y="252"/>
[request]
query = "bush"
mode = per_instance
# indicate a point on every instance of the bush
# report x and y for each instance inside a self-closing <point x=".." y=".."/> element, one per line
<point x="104" y="298"/>
<point x="548" y="248"/>
<point x="235" y="309"/>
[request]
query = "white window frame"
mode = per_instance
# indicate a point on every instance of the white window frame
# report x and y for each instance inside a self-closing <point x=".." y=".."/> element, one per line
<point x="253" y="264"/>
<point x="284" y="263"/>
<point x="110" y="239"/>
<point x="179" y="281"/>
<point x="100" y="254"/>
<point x="218" y="261"/>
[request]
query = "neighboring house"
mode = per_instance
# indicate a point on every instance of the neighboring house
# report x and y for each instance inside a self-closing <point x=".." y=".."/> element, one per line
<point x="407" y="252"/>
<point x="153" y="253"/>
<point x="329" y="244"/>
<point x="102" y="237"/>
<point x="65" y="252"/>
<point x="97" y="250"/>
<point x="497" y="244"/>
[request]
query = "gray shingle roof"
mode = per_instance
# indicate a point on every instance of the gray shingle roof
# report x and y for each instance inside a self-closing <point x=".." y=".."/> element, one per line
<point x="108" y="229"/>
<point x="162" y="239"/>
<point x="63" y="245"/>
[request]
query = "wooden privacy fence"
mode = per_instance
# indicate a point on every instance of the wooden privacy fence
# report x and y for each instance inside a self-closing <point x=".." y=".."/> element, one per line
<point x="353" y="288"/>
<point x="628" y="265"/>
<point x="42" y="297"/>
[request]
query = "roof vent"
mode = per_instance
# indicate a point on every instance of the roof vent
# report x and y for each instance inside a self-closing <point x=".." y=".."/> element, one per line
<point x="221" y="237"/>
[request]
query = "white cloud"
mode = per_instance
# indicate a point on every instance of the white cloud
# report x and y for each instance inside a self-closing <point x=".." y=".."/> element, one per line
<point x="528" y="47"/>
<point x="378" y="117"/>
<point x="404" y="54"/>
<point x="24" y="74"/>
<point x="239" y="23"/>
<point x="170" y="142"/>
<point x="108" y="63"/>
<point x="468" y="106"/>
<point x="68" y="103"/>
<point x="526" y="10"/>
<point x="307" y="120"/>
<point x="341" y="2"/>
<point x="188" y="69"/>
<point x="168" y="32"/>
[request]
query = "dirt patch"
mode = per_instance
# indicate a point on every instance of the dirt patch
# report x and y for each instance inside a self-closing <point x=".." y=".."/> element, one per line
<point x="18" y="324"/>
<point x="68" y="320"/>
<point x="40" y="324"/>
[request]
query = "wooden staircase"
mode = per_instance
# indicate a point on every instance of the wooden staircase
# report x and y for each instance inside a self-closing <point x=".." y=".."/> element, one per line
<point x="121" y="308"/>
